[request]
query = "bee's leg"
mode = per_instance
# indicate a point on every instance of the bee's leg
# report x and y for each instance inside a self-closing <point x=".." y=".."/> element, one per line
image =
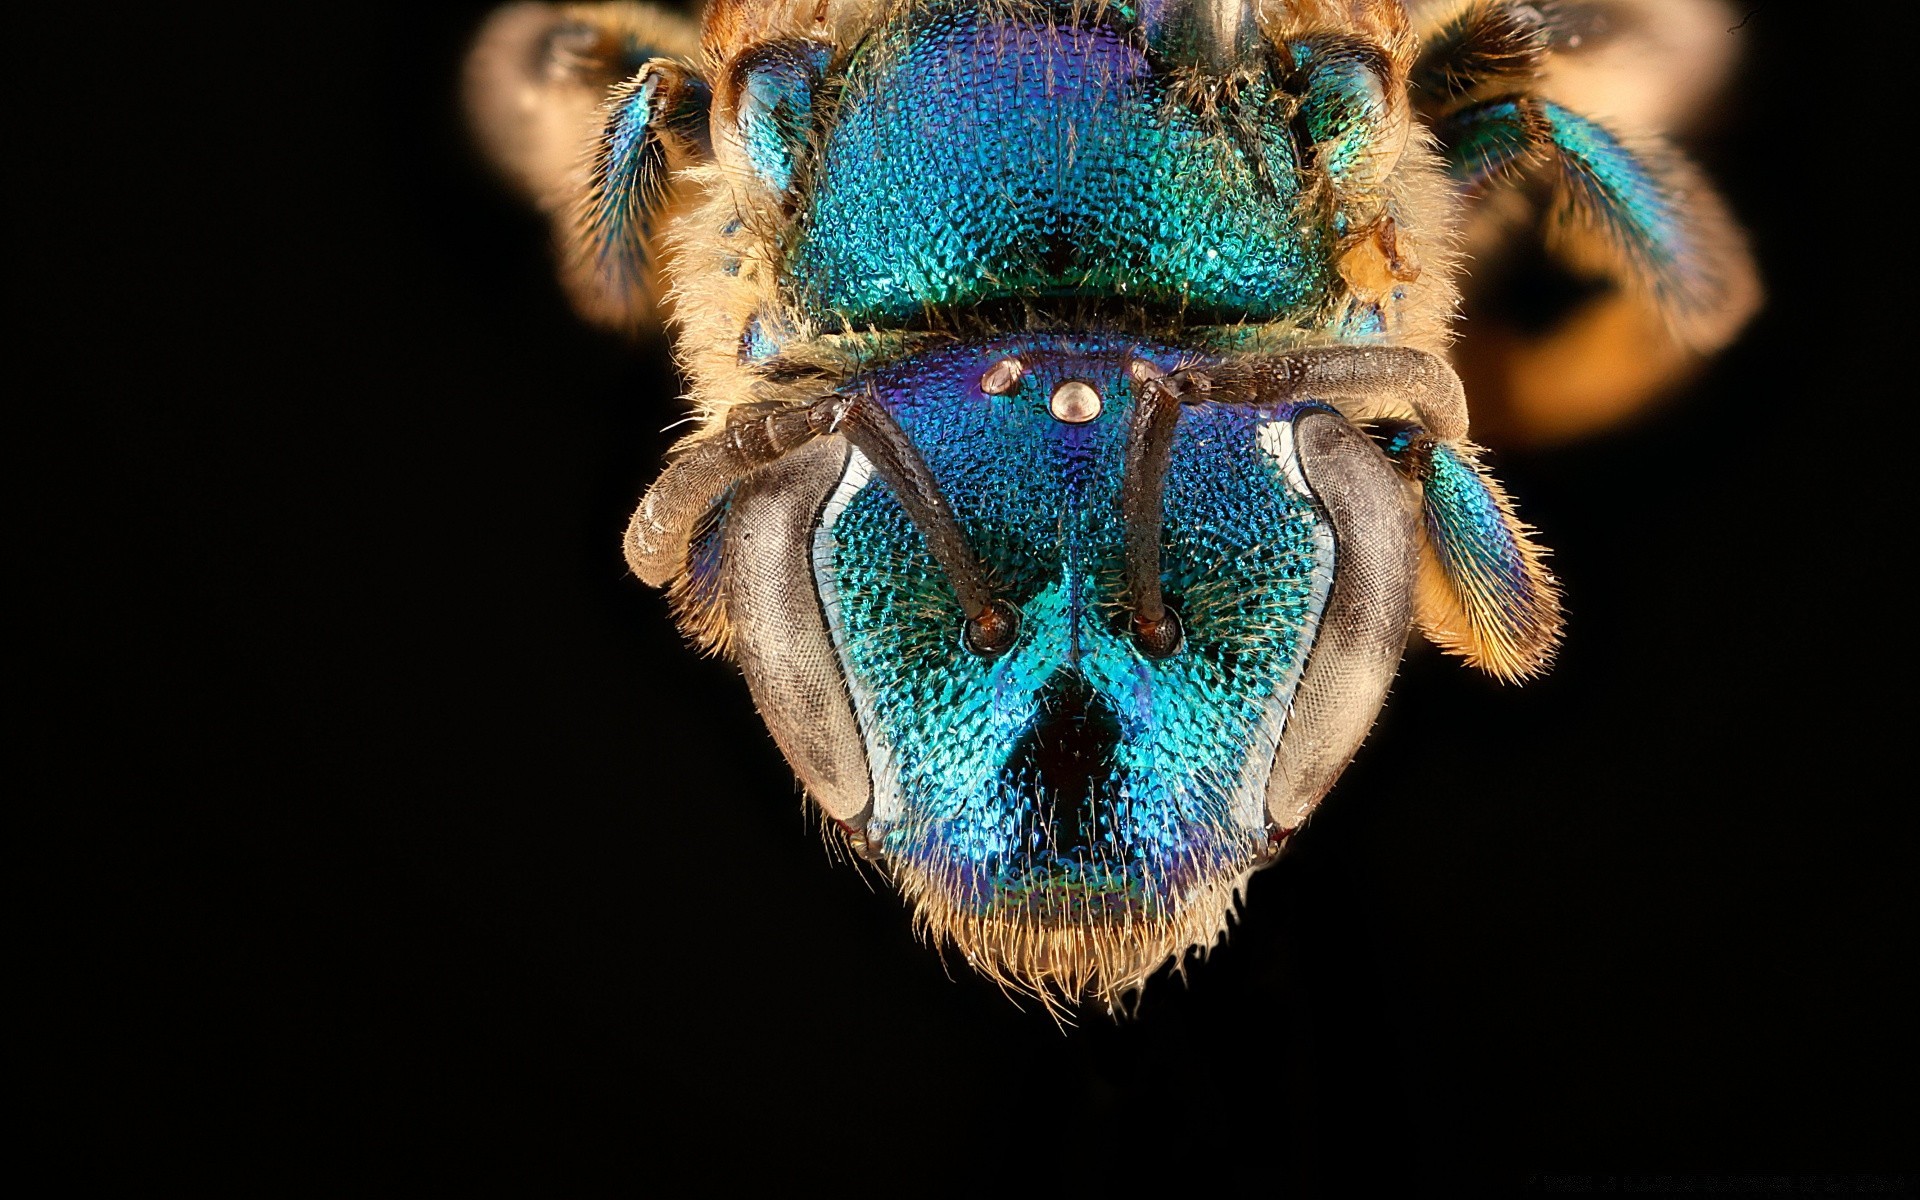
<point x="707" y="465"/>
<point x="588" y="110"/>
<point x="1484" y="591"/>
<point x="1656" y="273"/>
<point x="654" y="123"/>
<point x="1666" y="232"/>
<point x="1216" y="37"/>
<point x="538" y="76"/>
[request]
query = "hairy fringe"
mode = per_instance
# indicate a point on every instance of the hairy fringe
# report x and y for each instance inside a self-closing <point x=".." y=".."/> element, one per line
<point x="1065" y="965"/>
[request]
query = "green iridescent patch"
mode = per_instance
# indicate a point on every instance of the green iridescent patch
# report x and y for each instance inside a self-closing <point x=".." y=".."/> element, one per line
<point x="972" y="159"/>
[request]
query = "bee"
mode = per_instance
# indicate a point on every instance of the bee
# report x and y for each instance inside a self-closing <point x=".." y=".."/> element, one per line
<point x="1081" y="434"/>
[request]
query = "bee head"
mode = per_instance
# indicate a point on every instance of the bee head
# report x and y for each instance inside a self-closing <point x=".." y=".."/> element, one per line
<point x="1072" y="806"/>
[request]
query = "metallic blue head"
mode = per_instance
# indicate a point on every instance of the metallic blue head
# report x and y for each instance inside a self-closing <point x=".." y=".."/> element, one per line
<point x="1071" y="811"/>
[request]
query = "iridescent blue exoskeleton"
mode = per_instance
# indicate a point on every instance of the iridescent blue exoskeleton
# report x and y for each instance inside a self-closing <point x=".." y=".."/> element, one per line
<point x="1081" y="434"/>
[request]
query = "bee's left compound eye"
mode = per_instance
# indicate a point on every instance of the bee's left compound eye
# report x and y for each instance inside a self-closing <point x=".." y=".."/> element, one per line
<point x="776" y="622"/>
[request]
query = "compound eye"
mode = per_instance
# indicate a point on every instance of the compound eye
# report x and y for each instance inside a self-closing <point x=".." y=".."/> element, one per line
<point x="778" y="633"/>
<point x="1369" y="612"/>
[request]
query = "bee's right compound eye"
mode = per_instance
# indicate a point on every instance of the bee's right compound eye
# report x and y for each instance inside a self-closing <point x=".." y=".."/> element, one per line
<point x="1368" y="615"/>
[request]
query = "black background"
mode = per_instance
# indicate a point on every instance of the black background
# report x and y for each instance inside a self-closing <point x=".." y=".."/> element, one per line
<point x="395" y="836"/>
